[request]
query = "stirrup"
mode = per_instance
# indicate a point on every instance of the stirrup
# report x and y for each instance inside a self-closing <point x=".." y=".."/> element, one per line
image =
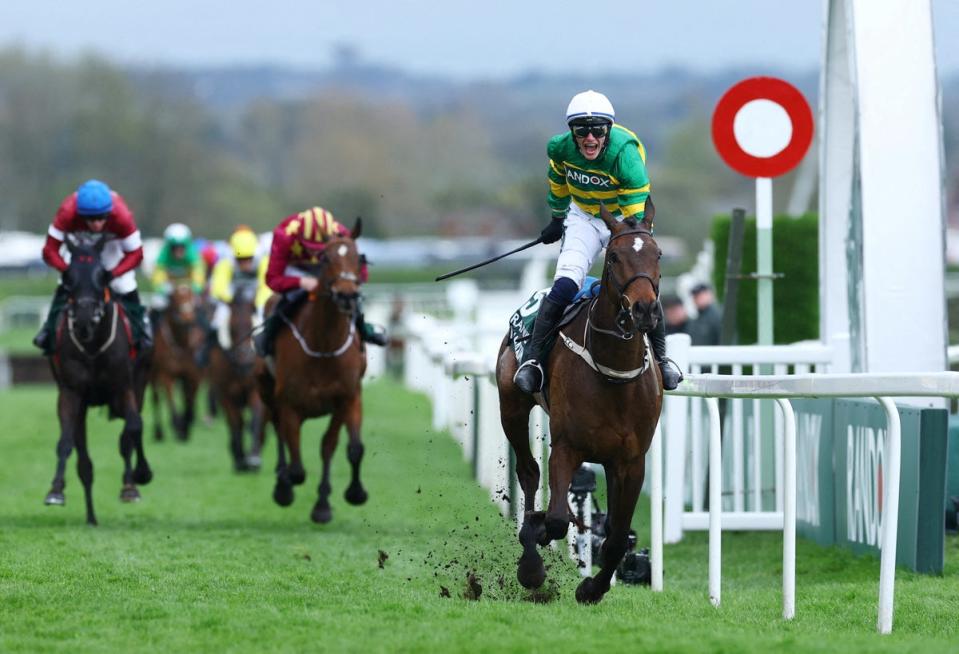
<point x="523" y="380"/>
<point x="672" y="375"/>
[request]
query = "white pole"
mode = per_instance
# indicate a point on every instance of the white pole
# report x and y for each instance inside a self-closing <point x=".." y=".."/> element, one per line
<point x="789" y="511"/>
<point x="656" y="512"/>
<point x="890" y="516"/>
<point x="715" y="501"/>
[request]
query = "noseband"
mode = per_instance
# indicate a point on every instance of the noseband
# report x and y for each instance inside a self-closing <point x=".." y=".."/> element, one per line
<point x="625" y="322"/>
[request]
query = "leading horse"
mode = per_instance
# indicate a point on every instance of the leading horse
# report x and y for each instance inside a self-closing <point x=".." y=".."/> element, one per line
<point x="318" y="370"/>
<point x="603" y="395"/>
<point x="94" y="363"/>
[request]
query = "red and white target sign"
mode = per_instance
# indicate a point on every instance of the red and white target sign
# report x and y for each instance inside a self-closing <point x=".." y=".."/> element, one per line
<point x="762" y="127"/>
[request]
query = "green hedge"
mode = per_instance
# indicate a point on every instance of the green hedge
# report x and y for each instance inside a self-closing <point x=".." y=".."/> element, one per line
<point x="795" y="296"/>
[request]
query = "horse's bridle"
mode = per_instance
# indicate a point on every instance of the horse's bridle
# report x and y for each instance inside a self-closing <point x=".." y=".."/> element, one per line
<point x="625" y="316"/>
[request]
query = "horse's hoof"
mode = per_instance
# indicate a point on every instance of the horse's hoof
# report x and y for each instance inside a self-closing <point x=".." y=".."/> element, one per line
<point x="157" y="434"/>
<point x="321" y="514"/>
<point x="54" y="499"/>
<point x="253" y="462"/>
<point x="92" y="521"/>
<point x="588" y="592"/>
<point x="531" y="573"/>
<point x="355" y="495"/>
<point x="283" y="494"/>
<point x="142" y="475"/>
<point x="129" y="494"/>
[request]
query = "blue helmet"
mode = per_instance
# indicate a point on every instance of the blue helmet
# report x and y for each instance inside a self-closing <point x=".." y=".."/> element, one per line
<point x="94" y="198"/>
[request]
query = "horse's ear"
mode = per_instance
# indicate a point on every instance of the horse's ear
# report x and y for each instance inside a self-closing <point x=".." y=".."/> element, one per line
<point x="357" y="228"/>
<point x="607" y="217"/>
<point x="650" y="214"/>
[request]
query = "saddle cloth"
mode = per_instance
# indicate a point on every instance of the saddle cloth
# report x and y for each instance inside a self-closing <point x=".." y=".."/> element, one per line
<point x="522" y="321"/>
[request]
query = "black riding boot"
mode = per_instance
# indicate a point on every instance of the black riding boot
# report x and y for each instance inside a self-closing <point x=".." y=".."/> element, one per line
<point x="142" y="324"/>
<point x="529" y="376"/>
<point x="370" y="333"/>
<point x="672" y="375"/>
<point x="44" y="338"/>
<point x="263" y="342"/>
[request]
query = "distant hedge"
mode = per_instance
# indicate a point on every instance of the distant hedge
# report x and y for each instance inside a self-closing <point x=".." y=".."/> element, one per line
<point x="795" y="296"/>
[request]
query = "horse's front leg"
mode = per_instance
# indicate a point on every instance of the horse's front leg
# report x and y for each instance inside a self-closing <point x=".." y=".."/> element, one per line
<point x="355" y="494"/>
<point x="258" y="429"/>
<point x="563" y="462"/>
<point x="72" y="414"/>
<point x="85" y="465"/>
<point x="191" y="386"/>
<point x="130" y="437"/>
<point x="628" y="481"/>
<point x="176" y="419"/>
<point x="234" y="423"/>
<point x="322" y="513"/>
<point x="157" y="412"/>
<point x="287" y="423"/>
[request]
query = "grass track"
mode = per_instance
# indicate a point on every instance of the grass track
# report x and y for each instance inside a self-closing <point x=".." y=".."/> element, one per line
<point x="206" y="562"/>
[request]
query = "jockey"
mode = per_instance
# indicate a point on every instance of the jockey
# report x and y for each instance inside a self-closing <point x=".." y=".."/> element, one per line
<point x="94" y="208"/>
<point x="231" y="273"/>
<point x="179" y="261"/>
<point x="297" y="240"/>
<point x="595" y="160"/>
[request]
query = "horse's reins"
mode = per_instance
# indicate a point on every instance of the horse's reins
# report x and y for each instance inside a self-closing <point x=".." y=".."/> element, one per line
<point x="109" y="341"/>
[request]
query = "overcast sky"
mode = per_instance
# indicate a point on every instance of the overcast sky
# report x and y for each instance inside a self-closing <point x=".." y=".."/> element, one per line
<point x="467" y="40"/>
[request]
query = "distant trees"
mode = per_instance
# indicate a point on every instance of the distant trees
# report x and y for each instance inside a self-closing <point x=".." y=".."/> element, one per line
<point x="468" y="160"/>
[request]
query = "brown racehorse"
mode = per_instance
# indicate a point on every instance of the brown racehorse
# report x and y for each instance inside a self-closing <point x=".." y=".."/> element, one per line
<point x="602" y="413"/>
<point x="177" y="339"/>
<point x="319" y="366"/>
<point x="232" y="380"/>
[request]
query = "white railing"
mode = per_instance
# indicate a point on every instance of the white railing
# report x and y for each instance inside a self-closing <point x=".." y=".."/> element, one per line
<point x="684" y="424"/>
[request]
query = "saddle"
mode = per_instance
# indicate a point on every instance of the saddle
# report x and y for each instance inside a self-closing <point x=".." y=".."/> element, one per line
<point x="522" y="321"/>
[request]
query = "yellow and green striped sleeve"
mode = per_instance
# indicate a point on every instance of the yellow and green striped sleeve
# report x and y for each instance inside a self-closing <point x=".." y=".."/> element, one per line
<point x="558" y="198"/>
<point x="633" y="188"/>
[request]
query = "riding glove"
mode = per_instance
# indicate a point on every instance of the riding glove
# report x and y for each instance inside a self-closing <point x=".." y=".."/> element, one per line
<point x="553" y="231"/>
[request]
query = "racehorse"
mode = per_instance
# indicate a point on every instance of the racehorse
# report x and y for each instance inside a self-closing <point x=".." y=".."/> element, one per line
<point x="603" y="395"/>
<point x="94" y="363"/>
<point x="317" y="370"/>
<point x="232" y="380"/>
<point x="178" y="338"/>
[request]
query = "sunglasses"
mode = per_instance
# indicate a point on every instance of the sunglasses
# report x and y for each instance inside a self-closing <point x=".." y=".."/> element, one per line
<point x="581" y="131"/>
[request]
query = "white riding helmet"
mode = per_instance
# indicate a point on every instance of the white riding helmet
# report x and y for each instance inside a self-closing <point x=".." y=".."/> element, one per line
<point x="590" y="104"/>
<point x="178" y="234"/>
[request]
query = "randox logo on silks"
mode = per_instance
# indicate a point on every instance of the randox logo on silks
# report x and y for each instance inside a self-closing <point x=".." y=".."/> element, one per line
<point x="585" y="178"/>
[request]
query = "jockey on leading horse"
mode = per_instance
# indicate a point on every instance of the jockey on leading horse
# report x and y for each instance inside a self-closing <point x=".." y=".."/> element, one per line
<point x="595" y="161"/>
<point x="299" y="240"/>
<point x="94" y="209"/>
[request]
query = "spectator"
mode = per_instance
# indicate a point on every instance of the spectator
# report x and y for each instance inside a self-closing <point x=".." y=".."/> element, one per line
<point x="677" y="320"/>
<point x="707" y="326"/>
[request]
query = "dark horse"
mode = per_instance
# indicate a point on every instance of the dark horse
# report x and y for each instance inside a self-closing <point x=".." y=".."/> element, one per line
<point x="178" y="338"/>
<point x="94" y="363"/>
<point x="232" y="380"/>
<point x="603" y="403"/>
<point x="318" y="370"/>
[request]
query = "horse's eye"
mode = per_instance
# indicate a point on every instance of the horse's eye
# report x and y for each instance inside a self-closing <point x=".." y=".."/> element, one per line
<point x="613" y="257"/>
<point x="659" y="254"/>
